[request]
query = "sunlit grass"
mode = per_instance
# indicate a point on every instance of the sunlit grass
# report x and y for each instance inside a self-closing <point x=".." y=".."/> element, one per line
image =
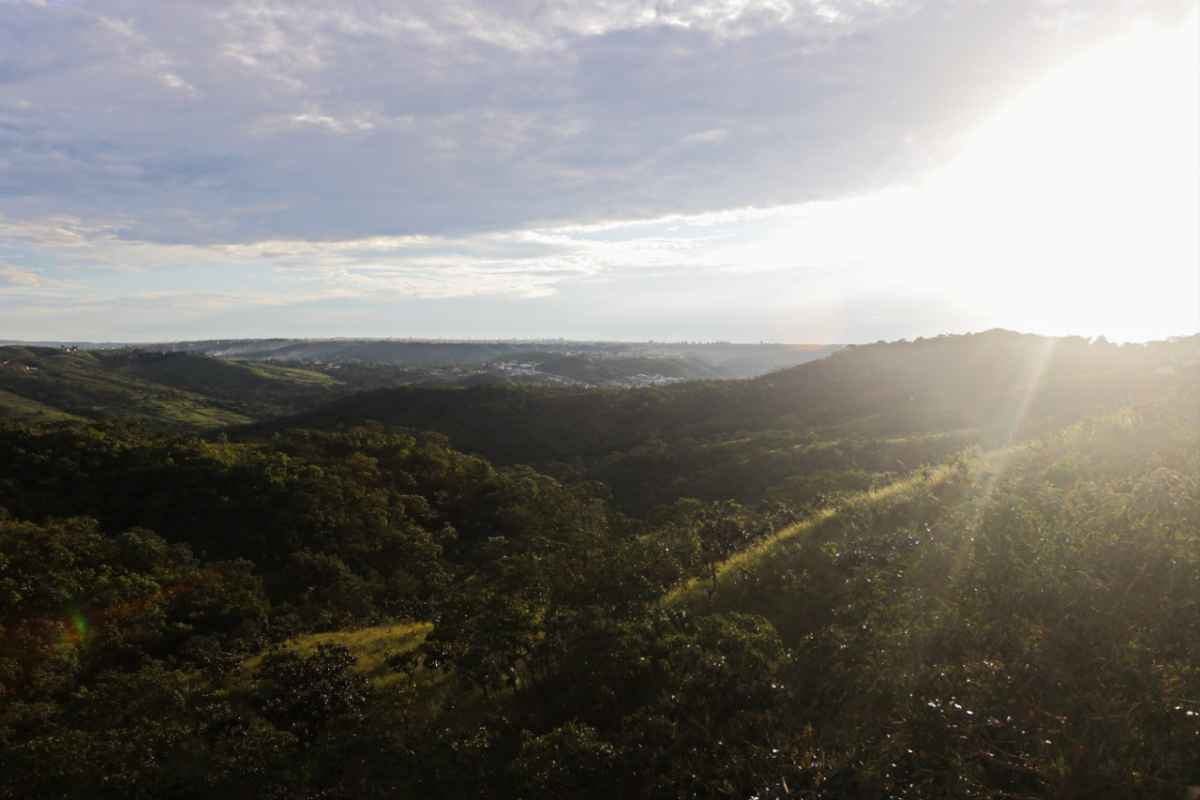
<point x="196" y="414"/>
<point x="292" y="374"/>
<point x="936" y="436"/>
<point x="766" y="547"/>
<point x="371" y="647"/>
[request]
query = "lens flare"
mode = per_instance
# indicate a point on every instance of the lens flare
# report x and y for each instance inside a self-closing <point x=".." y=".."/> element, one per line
<point x="76" y="627"/>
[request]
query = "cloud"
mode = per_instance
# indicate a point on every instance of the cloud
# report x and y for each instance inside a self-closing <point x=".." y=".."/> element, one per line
<point x="57" y="231"/>
<point x="168" y="160"/>
<point x="24" y="285"/>
<point x="15" y="276"/>
<point x="522" y="263"/>
<point x="226" y="121"/>
<point x="711" y="136"/>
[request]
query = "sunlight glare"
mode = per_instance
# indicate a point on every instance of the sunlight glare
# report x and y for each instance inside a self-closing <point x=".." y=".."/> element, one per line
<point x="1072" y="211"/>
<point x="1081" y="196"/>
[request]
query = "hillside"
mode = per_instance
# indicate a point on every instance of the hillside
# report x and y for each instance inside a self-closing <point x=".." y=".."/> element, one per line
<point x="876" y="408"/>
<point x="958" y="568"/>
<point x="614" y="359"/>
<point x="88" y="385"/>
<point x="224" y="382"/>
<point x="901" y="388"/>
<point x="1026" y="625"/>
<point x="167" y="390"/>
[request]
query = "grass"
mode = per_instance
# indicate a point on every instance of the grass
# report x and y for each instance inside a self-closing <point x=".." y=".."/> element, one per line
<point x="764" y="548"/>
<point x="370" y="646"/>
<point x="198" y="415"/>
<point x="959" y="433"/>
<point x="291" y="374"/>
<point x="22" y="408"/>
<point x="994" y="460"/>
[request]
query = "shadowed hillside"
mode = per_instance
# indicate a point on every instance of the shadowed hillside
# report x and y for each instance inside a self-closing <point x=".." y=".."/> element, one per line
<point x="1000" y="381"/>
<point x="876" y="407"/>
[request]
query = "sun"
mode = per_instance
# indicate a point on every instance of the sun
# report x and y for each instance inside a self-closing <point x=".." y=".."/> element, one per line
<point x="1079" y="199"/>
<point x="1072" y="210"/>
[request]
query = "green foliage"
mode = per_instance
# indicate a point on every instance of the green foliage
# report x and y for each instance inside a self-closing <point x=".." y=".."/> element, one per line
<point x="305" y="694"/>
<point x="571" y="761"/>
<point x="802" y="586"/>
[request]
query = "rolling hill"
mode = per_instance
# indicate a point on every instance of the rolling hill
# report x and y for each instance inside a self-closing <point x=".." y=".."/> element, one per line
<point x="555" y="357"/>
<point x="886" y="407"/>
<point x="167" y="390"/>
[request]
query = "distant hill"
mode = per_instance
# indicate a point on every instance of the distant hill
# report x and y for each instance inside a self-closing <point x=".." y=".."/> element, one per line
<point x="652" y="432"/>
<point x="214" y="383"/>
<point x="900" y="404"/>
<point x="899" y="388"/>
<point x="586" y="362"/>
<point x="172" y="390"/>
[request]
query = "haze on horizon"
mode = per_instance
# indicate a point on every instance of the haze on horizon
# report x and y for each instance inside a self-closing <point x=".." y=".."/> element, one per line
<point x="788" y="170"/>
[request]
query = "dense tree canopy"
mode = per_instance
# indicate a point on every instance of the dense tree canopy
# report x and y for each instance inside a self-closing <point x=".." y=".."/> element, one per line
<point x="844" y="594"/>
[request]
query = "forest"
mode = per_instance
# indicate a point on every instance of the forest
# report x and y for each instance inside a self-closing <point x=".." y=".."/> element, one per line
<point x="957" y="567"/>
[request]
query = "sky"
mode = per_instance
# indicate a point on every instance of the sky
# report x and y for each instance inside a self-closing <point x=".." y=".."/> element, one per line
<point x="821" y="171"/>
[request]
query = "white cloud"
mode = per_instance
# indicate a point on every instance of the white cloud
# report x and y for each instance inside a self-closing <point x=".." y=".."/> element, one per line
<point x="313" y="117"/>
<point x="15" y="276"/>
<point x="57" y="231"/>
<point x="143" y="55"/>
<point x="710" y="136"/>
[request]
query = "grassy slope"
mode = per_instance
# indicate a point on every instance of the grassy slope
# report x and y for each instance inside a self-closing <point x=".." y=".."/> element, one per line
<point x="294" y="374"/>
<point x="371" y="646"/>
<point x="22" y="409"/>
<point x="898" y="492"/>
<point x="214" y="376"/>
<point x="178" y="390"/>
<point x="80" y="384"/>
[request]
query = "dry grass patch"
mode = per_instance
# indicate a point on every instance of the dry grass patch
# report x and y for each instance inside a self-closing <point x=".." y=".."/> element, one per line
<point x="765" y="546"/>
<point x="372" y="647"/>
